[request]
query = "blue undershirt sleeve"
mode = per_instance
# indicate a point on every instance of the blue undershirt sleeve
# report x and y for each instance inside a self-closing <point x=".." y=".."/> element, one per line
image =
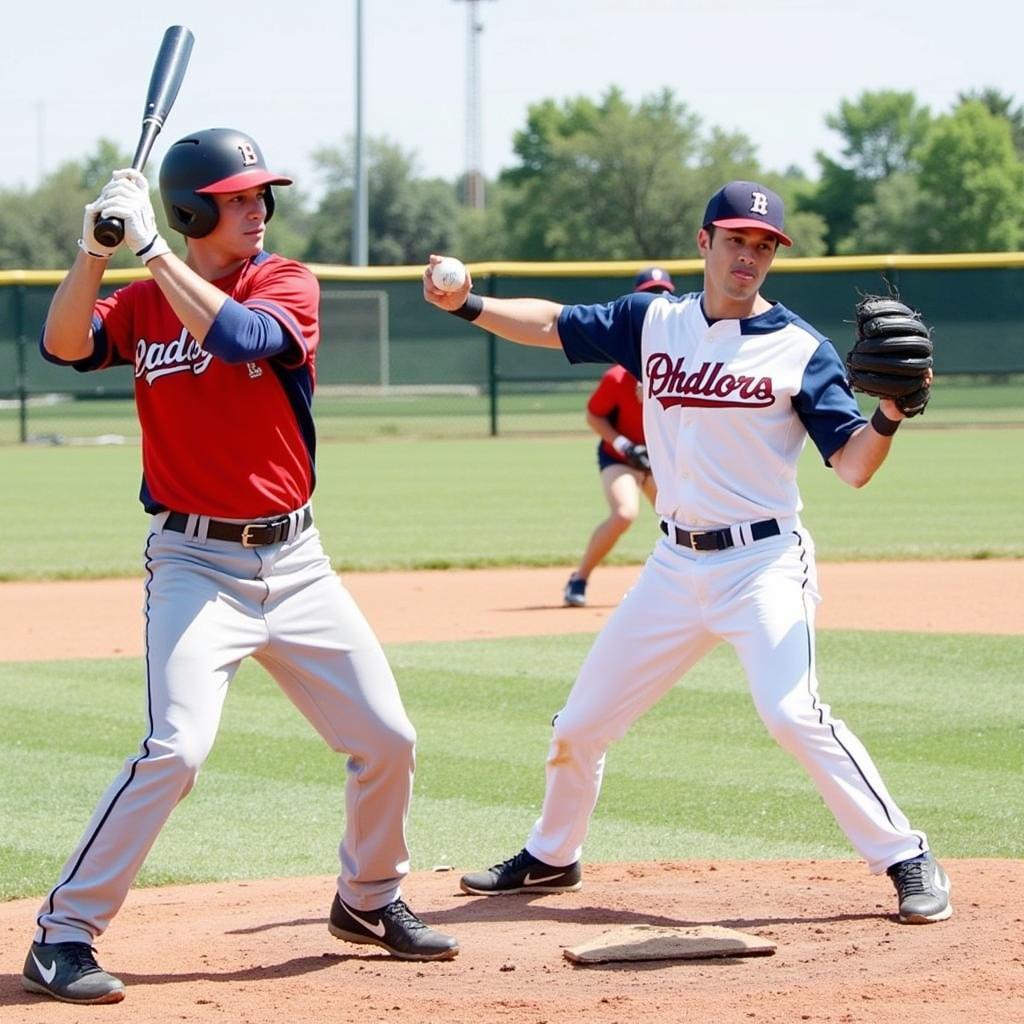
<point x="242" y="335"/>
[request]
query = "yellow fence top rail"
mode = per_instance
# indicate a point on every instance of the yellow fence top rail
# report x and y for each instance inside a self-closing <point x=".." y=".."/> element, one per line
<point x="617" y="268"/>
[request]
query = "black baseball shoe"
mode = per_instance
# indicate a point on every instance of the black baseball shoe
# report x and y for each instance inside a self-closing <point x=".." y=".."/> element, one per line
<point x="394" y="928"/>
<point x="522" y="873"/>
<point x="923" y="890"/>
<point x="575" y="593"/>
<point x="68" y="971"/>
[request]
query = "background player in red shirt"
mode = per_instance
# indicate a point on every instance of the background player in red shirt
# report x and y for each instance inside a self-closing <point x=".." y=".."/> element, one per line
<point x="223" y="346"/>
<point x="615" y="414"/>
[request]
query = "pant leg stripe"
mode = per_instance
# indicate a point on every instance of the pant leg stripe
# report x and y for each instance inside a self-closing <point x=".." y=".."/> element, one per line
<point x="814" y="696"/>
<point x="131" y="775"/>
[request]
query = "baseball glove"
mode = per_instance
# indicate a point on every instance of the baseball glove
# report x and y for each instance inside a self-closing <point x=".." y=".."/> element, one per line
<point x="892" y="354"/>
<point x="637" y="457"/>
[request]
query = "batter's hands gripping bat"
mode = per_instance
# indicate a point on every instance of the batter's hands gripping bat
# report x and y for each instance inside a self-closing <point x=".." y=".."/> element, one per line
<point x="164" y="83"/>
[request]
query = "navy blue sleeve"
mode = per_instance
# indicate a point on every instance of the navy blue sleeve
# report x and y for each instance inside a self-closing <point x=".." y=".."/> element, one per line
<point x="825" y="404"/>
<point x="242" y="335"/>
<point x="606" y="333"/>
<point x="99" y="359"/>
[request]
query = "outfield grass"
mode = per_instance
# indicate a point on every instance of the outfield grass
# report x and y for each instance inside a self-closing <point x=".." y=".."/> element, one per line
<point x="522" y="408"/>
<point x="696" y="777"/>
<point x="954" y="493"/>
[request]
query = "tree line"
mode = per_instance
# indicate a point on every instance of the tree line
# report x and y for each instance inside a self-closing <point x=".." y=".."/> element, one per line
<point x="611" y="180"/>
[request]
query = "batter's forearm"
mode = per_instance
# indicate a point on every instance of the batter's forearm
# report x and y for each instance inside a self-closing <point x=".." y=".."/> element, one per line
<point x="68" y="330"/>
<point x="195" y="300"/>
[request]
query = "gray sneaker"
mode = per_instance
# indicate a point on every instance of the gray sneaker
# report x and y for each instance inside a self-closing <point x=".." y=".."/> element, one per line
<point x="923" y="890"/>
<point x="68" y="971"/>
<point x="522" y="873"/>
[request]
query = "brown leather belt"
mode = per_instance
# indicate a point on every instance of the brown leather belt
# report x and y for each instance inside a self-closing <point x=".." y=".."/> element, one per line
<point x="250" y="535"/>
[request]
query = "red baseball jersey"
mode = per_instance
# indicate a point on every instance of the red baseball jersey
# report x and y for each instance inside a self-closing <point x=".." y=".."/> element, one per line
<point x="231" y="440"/>
<point x="616" y="398"/>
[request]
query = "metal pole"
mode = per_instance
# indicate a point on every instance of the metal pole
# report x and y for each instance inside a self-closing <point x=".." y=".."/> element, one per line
<point x="360" y="208"/>
<point x="474" y="185"/>
<point x="19" y="327"/>
<point x="40" y="141"/>
<point x="492" y="368"/>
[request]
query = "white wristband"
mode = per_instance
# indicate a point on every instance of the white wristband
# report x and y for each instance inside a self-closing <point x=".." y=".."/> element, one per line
<point x="620" y="444"/>
<point x="94" y="255"/>
<point x="157" y="247"/>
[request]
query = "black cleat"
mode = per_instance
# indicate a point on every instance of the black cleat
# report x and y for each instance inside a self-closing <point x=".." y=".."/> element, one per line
<point x="522" y="873"/>
<point x="575" y="593"/>
<point x="923" y="890"/>
<point x="68" y="971"/>
<point x="394" y="928"/>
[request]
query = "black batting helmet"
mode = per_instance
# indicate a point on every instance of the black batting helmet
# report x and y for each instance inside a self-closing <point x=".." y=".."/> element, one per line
<point x="213" y="161"/>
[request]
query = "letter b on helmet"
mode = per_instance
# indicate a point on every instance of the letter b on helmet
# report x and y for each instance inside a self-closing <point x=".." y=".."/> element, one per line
<point x="216" y="161"/>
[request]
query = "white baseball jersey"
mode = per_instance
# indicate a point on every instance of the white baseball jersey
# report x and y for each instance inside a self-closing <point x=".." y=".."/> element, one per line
<point x="728" y="405"/>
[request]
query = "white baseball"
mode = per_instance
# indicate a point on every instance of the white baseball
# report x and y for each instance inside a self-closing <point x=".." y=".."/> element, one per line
<point x="449" y="275"/>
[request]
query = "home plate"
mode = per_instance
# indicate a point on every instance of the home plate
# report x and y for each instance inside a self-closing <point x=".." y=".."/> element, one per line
<point x="653" y="942"/>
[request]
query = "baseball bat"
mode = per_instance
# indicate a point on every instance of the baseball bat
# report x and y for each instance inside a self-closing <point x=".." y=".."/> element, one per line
<point x="164" y="83"/>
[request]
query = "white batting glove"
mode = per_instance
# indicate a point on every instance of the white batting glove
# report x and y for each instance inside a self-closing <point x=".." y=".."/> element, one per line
<point x="89" y="243"/>
<point x="128" y="200"/>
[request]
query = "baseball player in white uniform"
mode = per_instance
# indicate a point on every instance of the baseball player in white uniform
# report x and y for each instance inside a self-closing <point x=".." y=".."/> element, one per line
<point x="733" y="385"/>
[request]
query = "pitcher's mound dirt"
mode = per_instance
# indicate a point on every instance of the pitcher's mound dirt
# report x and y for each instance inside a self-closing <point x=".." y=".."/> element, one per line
<point x="260" y="953"/>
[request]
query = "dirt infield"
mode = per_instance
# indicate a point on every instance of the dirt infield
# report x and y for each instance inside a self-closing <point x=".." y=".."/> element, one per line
<point x="104" y="618"/>
<point x="259" y="952"/>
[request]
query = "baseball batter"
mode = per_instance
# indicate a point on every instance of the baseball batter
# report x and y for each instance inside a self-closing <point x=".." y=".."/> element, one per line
<point x="733" y="385"/>
<point x="223" y="346"/>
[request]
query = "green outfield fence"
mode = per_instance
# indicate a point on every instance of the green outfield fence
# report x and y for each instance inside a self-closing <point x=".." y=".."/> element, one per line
<point x="389" y="364"/>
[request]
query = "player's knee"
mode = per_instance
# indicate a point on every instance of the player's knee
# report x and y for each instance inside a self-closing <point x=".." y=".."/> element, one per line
<point x="393" y="744"/>
<point x="573" y="733"/>
<point x="623" y="518"/>
<point x="399" y="745"/>
<point x="177" y="759"/>
<point x="787" y="722"/>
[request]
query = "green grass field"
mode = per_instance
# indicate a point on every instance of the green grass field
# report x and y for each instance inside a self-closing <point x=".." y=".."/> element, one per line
<point x="697" y="777"/>
<point x="523" y="408"/>
<point x="469" y="502"/>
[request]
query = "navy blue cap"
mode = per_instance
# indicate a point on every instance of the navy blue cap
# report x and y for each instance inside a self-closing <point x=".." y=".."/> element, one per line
<point x="653" y="279"/>
<point x="746" y="204"/>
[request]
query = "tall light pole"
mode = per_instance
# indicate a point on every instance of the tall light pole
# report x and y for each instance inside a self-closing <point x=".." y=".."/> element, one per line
<point x="474" y="186"/>
<point x="40" y="140"/>
<point x="360" y="203"/>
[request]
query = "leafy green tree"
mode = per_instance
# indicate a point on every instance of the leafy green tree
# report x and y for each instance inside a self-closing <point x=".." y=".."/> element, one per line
<point x="289" y="229"/>
<point x="608" y="180"/>
<point x="482" y="234"/>
<point x="1002" y="106"/>
<point x="408" y="217"/>
<point x="881" y="131"/>
<point x="972" y="183"/>
<point x="39" y="227"/>
<point x="881" y="134"/>
<point x="891" y="222"/>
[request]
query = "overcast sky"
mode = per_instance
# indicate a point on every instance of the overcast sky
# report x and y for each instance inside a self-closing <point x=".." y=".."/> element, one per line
<point x="71" y="72"/>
